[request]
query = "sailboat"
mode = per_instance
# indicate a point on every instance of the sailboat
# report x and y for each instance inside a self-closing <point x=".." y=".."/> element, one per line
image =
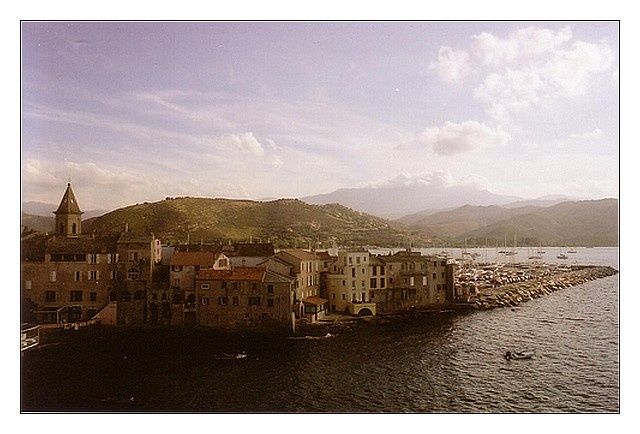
<point x="515" y="245"/>
<point x="540" y="251"/>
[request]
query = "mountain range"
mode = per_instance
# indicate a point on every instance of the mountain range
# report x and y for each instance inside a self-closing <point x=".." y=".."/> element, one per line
<point x="590" y="222"/>
<point x="393" y="201"/>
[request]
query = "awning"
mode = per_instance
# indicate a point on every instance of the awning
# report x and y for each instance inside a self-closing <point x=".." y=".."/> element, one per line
<point x="315" y="301"/>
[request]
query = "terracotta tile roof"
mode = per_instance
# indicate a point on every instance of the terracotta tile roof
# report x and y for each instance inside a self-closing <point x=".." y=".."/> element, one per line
<point x="324" y="255"/>
<point x="315" y="300"/>
<point x="133" y="237"/>
<point x="203" y="259"/>
<point x="299" y="254"/>
<point x="273" y="277"/>
<point x="254" y="274"/>
<point x="253" y="249"/>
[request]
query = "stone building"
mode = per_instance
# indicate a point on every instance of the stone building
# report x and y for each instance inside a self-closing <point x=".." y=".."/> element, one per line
<point x="305" y="269"/>
<point x="244" y="298"/>
<point x="348" y="282"/>
<point x="71" y="276"/>
<point x="184" y="267"/>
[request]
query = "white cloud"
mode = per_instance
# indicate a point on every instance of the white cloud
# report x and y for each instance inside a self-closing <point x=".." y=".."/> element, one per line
<point x="520" y="45"/>
<point x="246" y="143"/>
<point x="451" y="66"/>
<point x="564" y="73"/>
<point x="453" y="138"/>
<point x="587" y="135"/>
<point x="442" y="179"/>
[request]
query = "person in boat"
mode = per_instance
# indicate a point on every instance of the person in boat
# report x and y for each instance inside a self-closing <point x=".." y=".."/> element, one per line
<point x="507" y="355"/>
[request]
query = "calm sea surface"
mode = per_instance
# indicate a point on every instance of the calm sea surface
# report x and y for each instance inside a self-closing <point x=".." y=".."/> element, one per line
<point x="446" y="362"/>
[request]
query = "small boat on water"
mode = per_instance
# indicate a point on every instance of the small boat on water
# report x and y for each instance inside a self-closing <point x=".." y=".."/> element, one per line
<point x="572" y="251"/>
<point x="230" y="356"/>
<point x="562" y="256"/>
<point x="519" y="355"/>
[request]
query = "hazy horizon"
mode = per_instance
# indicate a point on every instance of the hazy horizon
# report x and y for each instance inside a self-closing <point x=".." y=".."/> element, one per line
<point x="135" y="112"/>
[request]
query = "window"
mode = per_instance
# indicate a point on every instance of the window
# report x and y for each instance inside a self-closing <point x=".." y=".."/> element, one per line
<point x="353" y="272"/>
<point x="223" y="284"/>
<point x="344" y="283"/>
<point x="382" y="282"/>
<point x="176" y="268"/>
<point x="175" y="283"/>
<point x="434" y="275"/>
<point x="443" y="275"/>
<point x="204" y="286"/>
<point x="364" y="259"/>
<point x="443" y="263"/>
<point x="125" y="296"/>
<point x="77" y="276"/>
<point x="371" y="295"/>
<point x="350" y="260"/>
<point x="254" y="286"/>
<point x="112" y="274"/>
<point x="374" y="270"/>
<point x="270" y="289"/>
<point x="357" y="259"/>
<point x="382" y="270"/>
<point x="222" y="262"/>
<point x="344" y="296"/>
<point x="76" y="295"/>
<point x="236" y="300"/>
<point x="52" y="276"/>
<point x="424" y="280"/>
<point x="74" y="228"/>
<point x="164" y="296"/>
<point x="373" y="282"/>
<point x="93" y="296"/>
<point x="27" y="284"/>
<point x="270" y="302"/>
<point x="92" y="275"/>
<point x="353" y="283"/>
<point x="133" y="256"/>
<point x="133" y="274"/>
<point x="254" y="301"/>
<point x="223" y="301"/>
<point x="50" y="296"/>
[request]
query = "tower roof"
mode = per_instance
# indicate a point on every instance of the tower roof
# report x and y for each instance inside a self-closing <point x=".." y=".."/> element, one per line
<point x="69" y="203"/>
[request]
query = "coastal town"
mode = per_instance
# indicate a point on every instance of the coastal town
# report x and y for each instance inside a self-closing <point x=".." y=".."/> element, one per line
<point x="71" y="278"/>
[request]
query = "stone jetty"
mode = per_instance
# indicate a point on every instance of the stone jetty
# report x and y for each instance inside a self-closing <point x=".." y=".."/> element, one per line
<point x="512" y="286"/>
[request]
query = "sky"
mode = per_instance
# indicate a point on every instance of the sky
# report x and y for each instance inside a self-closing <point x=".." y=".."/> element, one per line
<point x="135" y="112"/>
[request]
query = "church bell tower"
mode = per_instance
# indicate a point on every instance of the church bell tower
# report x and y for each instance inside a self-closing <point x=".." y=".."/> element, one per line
<point x="68" y="215"/>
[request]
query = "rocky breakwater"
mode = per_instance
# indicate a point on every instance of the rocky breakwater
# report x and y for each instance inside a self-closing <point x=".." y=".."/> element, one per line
<point x="521" y="290"/>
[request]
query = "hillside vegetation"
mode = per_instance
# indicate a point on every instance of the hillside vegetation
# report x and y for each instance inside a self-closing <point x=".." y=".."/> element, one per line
<point x="285" y="222"/>
<point x="590" y="222"/>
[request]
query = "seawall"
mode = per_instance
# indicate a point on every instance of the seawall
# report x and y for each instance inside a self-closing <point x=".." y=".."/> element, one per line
<point x="512" y="294"/>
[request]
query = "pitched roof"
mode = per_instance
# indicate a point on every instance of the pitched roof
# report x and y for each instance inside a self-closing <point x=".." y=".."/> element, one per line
<point x="273" y="277"/>
<point x="253" y="249"/>
<point x="69" y="203"/>
<point x="193" y="258"/>
<point x="133" y="237"/>
<point x="81" y="244"/>
<point x="324" y="255"/>
<point x="254" y="274"/>
<point x="299" y="254"/>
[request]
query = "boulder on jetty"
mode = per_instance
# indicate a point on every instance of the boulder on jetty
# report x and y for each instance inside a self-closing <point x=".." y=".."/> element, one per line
<point x="532" y="286"/>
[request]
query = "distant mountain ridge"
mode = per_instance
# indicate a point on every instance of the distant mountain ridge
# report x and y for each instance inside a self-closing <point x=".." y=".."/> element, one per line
<point x="46" y="209"/>
<point x="394" y="201"/>
<point x="285" y="222"/>
<point x="589" y="222"/>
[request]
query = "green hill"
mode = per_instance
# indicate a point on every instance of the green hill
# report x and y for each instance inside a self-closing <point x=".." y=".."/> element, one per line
<point x="589" y="222"/>
<point x="286" y="222"/>
<point x="29" y="222"/>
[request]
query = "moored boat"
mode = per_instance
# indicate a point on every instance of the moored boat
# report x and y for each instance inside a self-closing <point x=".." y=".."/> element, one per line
<point x="519" y="355"/>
